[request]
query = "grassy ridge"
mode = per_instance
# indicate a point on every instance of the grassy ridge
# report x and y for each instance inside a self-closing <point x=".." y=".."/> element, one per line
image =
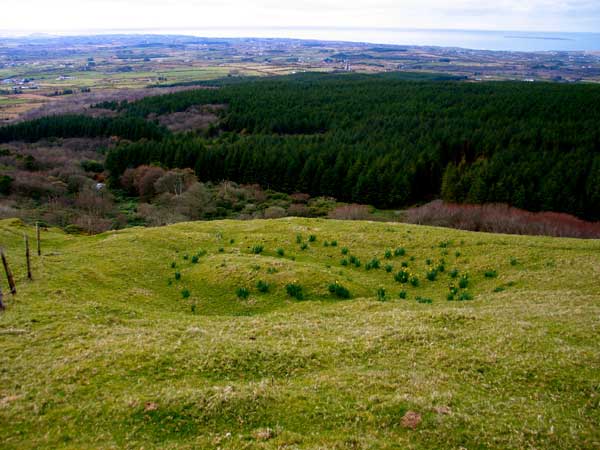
<point x="102" y="350"/>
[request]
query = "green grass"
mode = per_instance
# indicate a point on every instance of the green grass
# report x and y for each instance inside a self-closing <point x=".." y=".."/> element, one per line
<point x="99" y="351"/>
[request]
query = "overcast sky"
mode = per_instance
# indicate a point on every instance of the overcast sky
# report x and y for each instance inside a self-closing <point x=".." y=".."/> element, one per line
<point x="526" y="15"/>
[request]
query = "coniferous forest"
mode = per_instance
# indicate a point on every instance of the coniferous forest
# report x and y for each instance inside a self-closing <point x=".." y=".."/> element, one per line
<point x="382" y="140"/>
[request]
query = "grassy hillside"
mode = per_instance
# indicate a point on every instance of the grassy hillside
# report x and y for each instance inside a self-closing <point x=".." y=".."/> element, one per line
<point x="102" y="350"/>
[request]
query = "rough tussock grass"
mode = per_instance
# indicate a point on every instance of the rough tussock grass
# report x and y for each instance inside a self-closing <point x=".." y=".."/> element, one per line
<point x="99" y="351"/>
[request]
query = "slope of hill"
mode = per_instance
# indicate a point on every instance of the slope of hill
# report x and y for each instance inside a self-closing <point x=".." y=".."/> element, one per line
<point x="160" y="338"/>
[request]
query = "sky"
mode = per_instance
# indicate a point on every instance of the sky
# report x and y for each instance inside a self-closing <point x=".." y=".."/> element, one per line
<point x="168" y="15"/>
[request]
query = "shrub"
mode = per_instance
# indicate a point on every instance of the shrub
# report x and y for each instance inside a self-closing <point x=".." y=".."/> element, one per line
<point x="339" y="291"/>
<point x="381" y="295"/>
<point x="350" y="212"/>
<point x="295" y="290"/>
<point x="344" y="250"/>
<point x="280" y="252"/>
<point x="399" y="252"/>
<point x="312" y="238"/>
<point x="373" y="264"/>
<point x="388" y="254"/>
<point x="490" y="273"/>
<point x="185" y="294"/>
<point x="403" y="295"/>
<point x="262" y="286"/>
<point x="389" y="268"/>
<point x="402" y="277"/>
<point x="257" y="249"/>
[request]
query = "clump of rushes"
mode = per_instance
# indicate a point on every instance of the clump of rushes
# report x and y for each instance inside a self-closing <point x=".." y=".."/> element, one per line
<point x="344" y="250"/>
<point x="373" y="264"/>
<point x="312" y="238"/>
<point x="414" y="281"/>
<point x="444" y="244"/>
<point x="514" y="261"/>
<point x="173" y="265"/>
<point x="185" y="293"/>
<point x="423" y="300"/>
<point x="399" y="252"/>
<point x="232" y="241"/>
<point x="428" y="262"/>
<point x="431" y="275"/>
<point x="195" y="259"/>
<point x="193" y="308"/>
<point x="454" y="273"/>
<point x="381" y="295"/>
<point x="280" y="252"/>
<point x="334" y="243"/>
<point x="178" y="276"/>
<point x="355" y="261"/>
<point x="221" y="250"/>
<point x="242" y="293"/>
<point x="295" y="290"/>
<point x="441" y="268"/>
<point x="186" y="257"/>
<point x="201" y="253"/>
<point x="272" y="270"/>
<point x="262" y="286"/>
<point x="298" y="239"/>
<point x="326" y="244"/>
<point x="388" y="254"/>
<point x="404" y="264"/>
<point x="453" y="292"/>
<point x="463" y="283"/>
<point x="490" y="273"/>
<point x="465" y="296"/>
<point x="389" y="268"/>
<point x="403" y="295"/>
<point x="499" y="289"/>
<point x="257" y="249"/>
<point x="402" y="277"/>
<point x="304" y="246"/>
<point x="344" y="262"/>
<point x="339" y="291"/>
<point x="457" y="254"/>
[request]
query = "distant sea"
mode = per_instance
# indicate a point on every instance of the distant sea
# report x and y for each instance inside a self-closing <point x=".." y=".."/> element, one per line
<point x="480" y="40"/>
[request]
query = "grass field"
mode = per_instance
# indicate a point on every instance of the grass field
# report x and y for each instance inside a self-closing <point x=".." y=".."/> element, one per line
<point x="102" y="350"/>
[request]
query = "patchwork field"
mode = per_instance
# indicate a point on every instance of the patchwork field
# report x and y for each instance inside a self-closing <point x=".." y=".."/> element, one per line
<point x="239" y="335"/>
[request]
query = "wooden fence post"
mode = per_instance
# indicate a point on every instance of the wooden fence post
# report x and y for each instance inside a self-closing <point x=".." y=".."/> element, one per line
<point x="9" y="275"/>
<point x="39" y="244"/>
<point x="28" y="258"/>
